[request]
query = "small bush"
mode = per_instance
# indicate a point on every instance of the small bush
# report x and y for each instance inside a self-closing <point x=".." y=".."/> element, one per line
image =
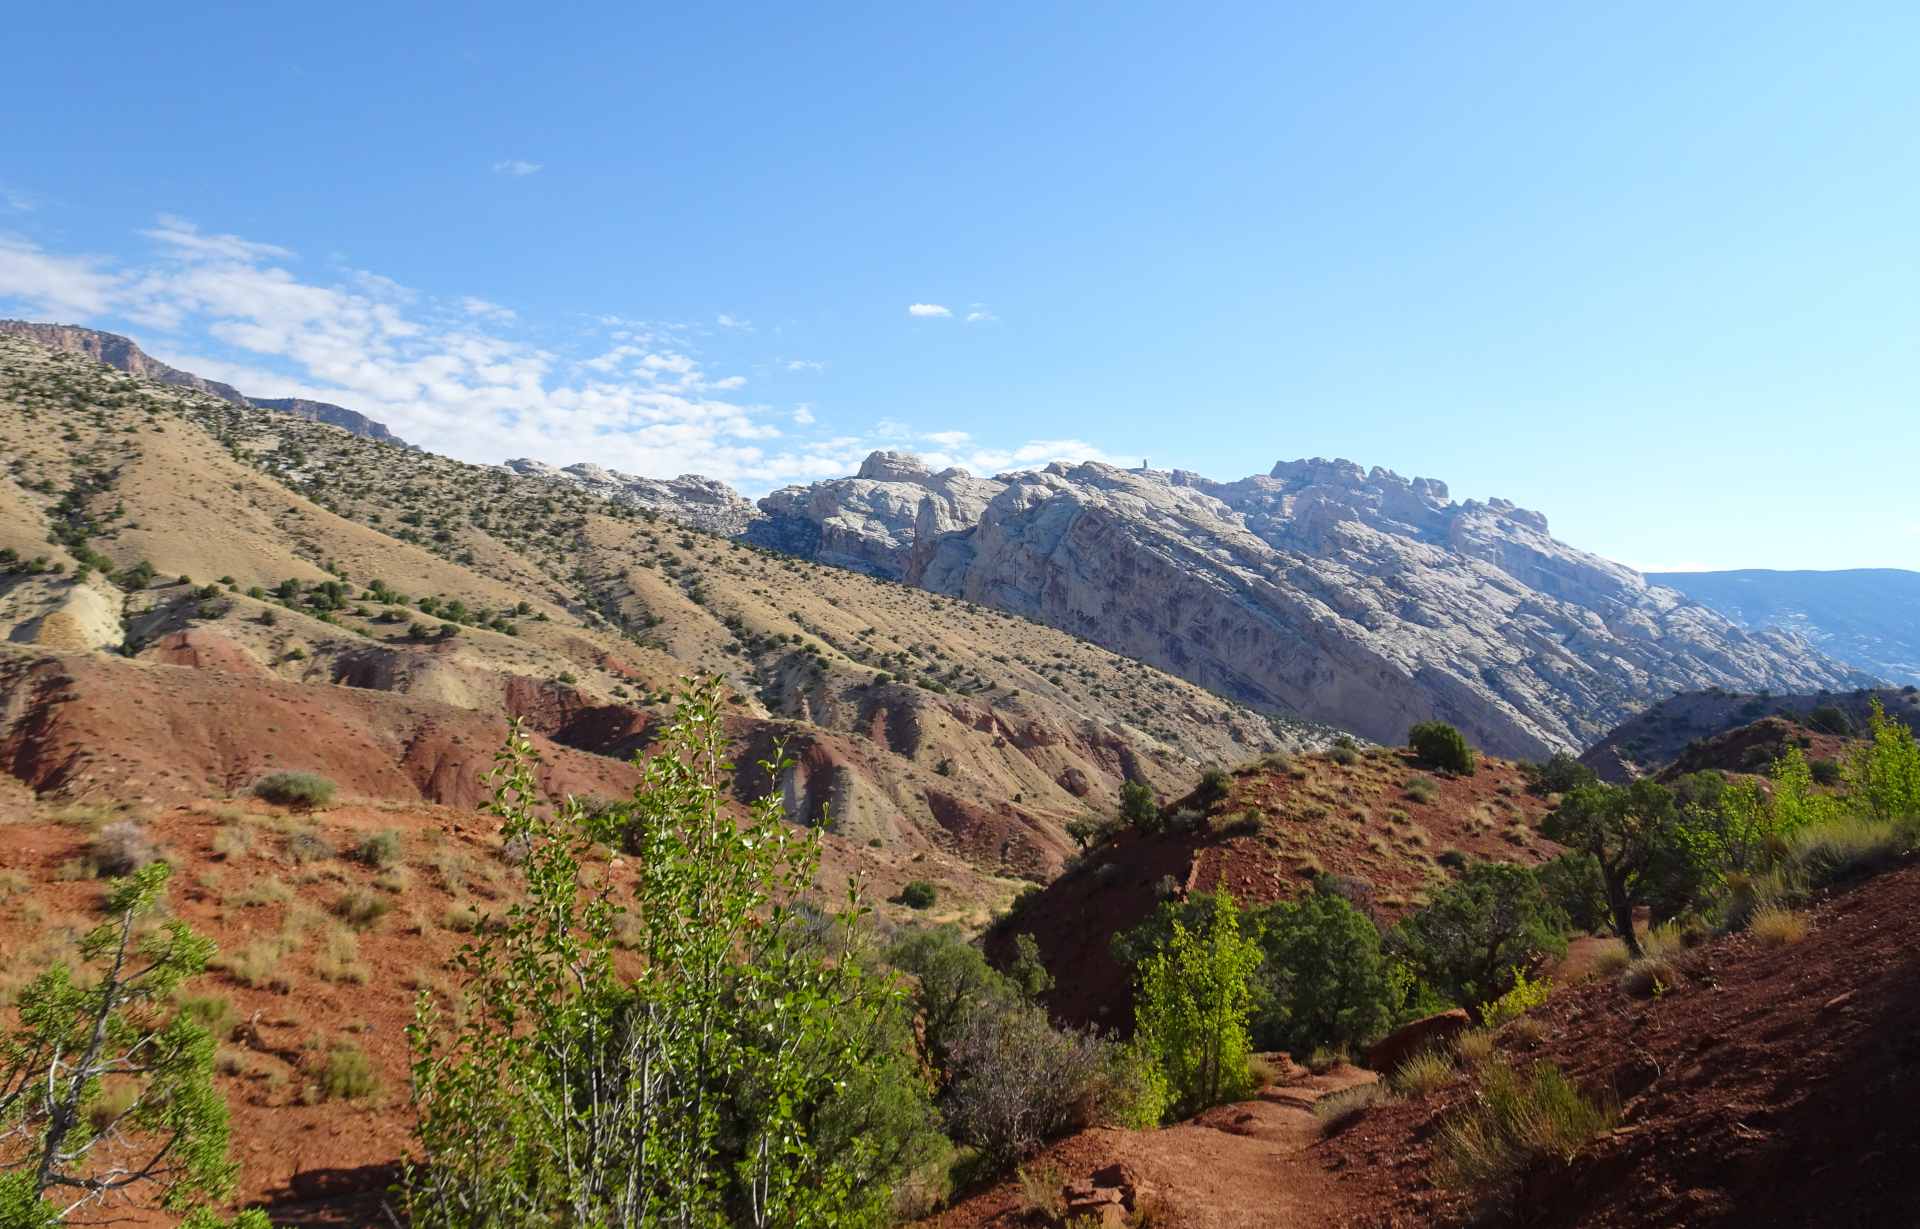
<point x="360" y="908"/>
<point x="1473" y="1047"/>
<point x="1649" y="977"/>
<point x="379" y="849"/>
<point x="1845" y="848"/>
<point x="919" y="894"/>
<point x="1440" y="746"/>
<point x="303" y="791"/>
<point x="1514" y="1121"/>
<point x="1610" y="958"/>
<point x="1775" y="926"/>
<point x="1041" y="1190"/>
<point x="1423" y="789"/>
<point x="1344" y="754"/>
<point x="1325" y="1058"/>
<point x="306" y="845"/>
<point x="1425" y="1072"/>
<point x="210" y="1011"/>
<point x="1339" y="1110"/>
<point x="339" y="961"/>
<point x="257" y="965"/>
<point x="121" y="848"/>
<point x="347" y="1075"/>
<point x="1524" y="996"/>
<point x="264" y="892"/>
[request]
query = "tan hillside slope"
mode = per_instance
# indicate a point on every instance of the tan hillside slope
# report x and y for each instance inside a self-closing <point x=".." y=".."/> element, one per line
<point x="319" y="558"/>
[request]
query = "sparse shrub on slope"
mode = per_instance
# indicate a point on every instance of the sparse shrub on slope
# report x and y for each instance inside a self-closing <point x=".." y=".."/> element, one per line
<point x="303" y="791"/>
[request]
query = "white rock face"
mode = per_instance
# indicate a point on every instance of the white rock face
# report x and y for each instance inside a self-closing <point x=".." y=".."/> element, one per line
<point x="1358" y="598"/>
<point x="869" y="522"/>
<point x="704" y="503"/>
<point x="1319" y="590"/>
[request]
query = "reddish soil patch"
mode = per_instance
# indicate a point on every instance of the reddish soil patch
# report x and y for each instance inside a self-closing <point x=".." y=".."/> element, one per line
<point x="99" y="727"/>
<point x="1768" y="1087"/>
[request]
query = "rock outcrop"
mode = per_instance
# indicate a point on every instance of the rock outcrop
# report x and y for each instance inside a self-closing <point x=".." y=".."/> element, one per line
<point x="705" y="503"/>
<point x="869" y="522"/>
<point x="1322" y="590"/>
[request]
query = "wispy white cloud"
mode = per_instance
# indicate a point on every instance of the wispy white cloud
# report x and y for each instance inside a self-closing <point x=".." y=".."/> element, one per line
<point x="928" y="310"/>
<point x="63" y="287"/>
<point x="17" y="200"/>
<point x="487" y="311"/>
<point x="516" y="167"/>
<point x="979" y="314"/>
<point x="448" y="373"/>
<point x="726" y="321"/>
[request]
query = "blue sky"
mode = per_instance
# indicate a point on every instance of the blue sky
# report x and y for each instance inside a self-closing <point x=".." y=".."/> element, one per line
<point x="1648" y="268"/>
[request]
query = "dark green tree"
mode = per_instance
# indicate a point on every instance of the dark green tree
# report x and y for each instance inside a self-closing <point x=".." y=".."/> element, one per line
<point x="1468" y="941"/>
<point x="1326" y="981"/>
<point x="1440" y="746"/>
<point x="1632" y="831"/>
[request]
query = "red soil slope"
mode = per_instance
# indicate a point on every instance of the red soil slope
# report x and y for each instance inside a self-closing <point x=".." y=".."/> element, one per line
<point x="1768" y="1087"/>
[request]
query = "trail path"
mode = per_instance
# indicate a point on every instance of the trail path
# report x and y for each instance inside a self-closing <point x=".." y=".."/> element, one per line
<point x="1248" y="1165"/>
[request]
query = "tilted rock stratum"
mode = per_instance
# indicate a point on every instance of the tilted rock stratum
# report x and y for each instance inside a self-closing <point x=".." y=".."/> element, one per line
<point x="1349" y="596"/>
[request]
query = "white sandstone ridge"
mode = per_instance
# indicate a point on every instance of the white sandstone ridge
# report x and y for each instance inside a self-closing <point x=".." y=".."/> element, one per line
<point x="1321" y="590"/>
<point x="869" y="522"/>
<point x="705" y="503"/>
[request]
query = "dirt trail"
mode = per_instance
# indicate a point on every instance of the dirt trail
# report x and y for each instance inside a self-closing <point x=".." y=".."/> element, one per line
<point x="1249" y="1165"/>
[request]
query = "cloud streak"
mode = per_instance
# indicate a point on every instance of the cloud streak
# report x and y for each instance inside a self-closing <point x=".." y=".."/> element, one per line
<point x="448" y="373"/>
<point x="928" y="311"/>
<point x="517" y="167"/>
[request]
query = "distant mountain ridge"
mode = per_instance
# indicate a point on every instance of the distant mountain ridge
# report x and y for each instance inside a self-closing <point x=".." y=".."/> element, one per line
<point x="1868" y="617"/>
<point x="124" y="354"/>
<point x="1320" y="590"/>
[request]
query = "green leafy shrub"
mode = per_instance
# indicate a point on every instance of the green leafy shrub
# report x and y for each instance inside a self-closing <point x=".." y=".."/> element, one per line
<point x="919" y="894"/>
<point x="1525" y="995"/>
<point x="1192" y="1006"/>
<point x="726" y="1071"/>
<point x="163" y="1122"/>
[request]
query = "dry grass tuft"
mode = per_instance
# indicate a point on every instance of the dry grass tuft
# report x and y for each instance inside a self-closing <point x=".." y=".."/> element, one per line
<point x="1339" y="1110"/>
<point x="1775" y="926"/>
<point x="1428" y="1071"/>
<point x="1515" y="1120"/>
